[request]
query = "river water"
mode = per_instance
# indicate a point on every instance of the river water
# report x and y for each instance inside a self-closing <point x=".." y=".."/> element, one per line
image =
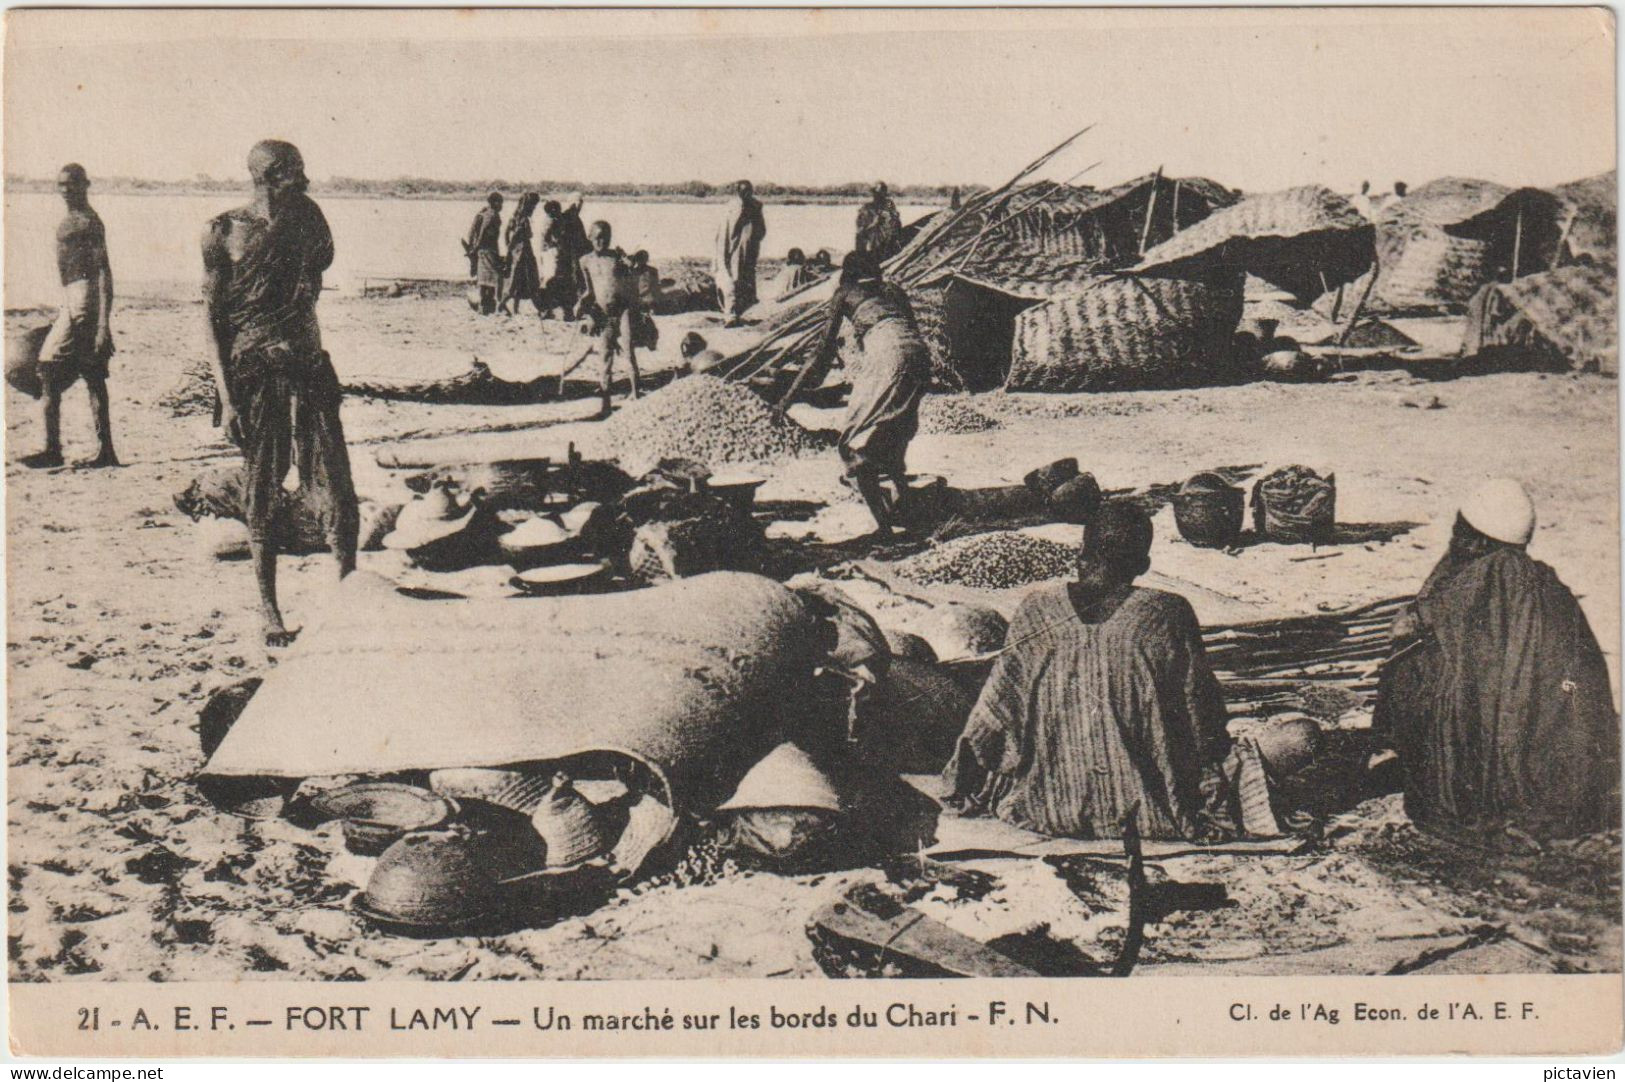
<point x="154" y="239"/>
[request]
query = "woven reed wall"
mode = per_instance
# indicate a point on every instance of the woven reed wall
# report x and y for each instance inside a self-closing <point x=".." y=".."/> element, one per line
<point x="1127" y="334"/>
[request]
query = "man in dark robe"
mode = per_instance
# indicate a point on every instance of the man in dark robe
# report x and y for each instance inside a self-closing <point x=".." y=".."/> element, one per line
<point x="484" y="250"/>
<point x="1101" y="700"/>
<point x="279" y="395"/>
<point x="574" y="244"/>
<point x="1498" y="700"/>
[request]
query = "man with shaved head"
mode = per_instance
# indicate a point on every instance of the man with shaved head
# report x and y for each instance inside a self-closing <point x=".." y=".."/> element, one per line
<point x="279" y="395"/>
<point x="81" y="340"/>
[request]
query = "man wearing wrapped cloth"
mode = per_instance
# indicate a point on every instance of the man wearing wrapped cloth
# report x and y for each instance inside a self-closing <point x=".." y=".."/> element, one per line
<point x="1497" y="698"/>
<point x="1101" y="702"/>
<point x="279" y="395"/>
<point x="889" y="380"/>
<point x="739" y="244"/>
<point x="80" y="342"/>
<point x="483" y="246"/>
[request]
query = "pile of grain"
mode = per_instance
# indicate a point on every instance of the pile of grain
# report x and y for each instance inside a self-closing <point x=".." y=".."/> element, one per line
<point x="990" y="561"/>
<point x="194" y="395"/>
<point x="945" y="416"/>
<point x="701" y="418"/>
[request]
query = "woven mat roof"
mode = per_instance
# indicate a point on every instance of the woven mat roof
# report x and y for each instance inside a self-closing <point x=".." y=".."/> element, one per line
<point x="1301" y="239"/>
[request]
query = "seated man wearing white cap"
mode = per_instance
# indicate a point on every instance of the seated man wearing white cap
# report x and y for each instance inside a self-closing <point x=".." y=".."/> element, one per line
<point x="1498" y="700"/>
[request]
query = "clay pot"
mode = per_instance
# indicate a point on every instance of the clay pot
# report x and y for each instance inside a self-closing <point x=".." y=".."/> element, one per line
<point x="375" y="814"/>
<point x="1287" y="746"/>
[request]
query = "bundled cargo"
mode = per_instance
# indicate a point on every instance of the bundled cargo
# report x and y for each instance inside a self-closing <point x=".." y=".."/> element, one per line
<point x="1295" y="505"/>
<point x="694" y="680"/>
<point x="1561" y="319"/>
<point x="1121" y="333"/>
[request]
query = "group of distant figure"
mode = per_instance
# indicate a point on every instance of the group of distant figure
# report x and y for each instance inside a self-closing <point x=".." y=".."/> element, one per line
<point x="508" y="270"/>
<point x="1369" y="203"/>
<point x="571" y="271"/>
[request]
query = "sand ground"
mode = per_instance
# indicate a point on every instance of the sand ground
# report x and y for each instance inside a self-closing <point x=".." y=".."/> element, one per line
<point x="118" y="629"/>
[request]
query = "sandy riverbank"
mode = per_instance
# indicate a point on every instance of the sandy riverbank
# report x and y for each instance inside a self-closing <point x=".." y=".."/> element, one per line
<point x="117" y="631"/>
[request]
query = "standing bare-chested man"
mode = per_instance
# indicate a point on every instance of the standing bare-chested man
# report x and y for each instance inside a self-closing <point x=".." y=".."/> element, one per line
<point x="81" y="340"/>
<point x="279" y="395"/>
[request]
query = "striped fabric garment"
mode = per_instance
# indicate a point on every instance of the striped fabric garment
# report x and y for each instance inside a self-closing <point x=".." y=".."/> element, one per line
<point x="1080" y="720"/>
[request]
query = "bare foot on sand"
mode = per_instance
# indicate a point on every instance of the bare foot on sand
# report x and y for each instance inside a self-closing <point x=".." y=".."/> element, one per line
<point x="280" y="636"/>
<point x="42" y="460"/>
<point x="102" y="461"/>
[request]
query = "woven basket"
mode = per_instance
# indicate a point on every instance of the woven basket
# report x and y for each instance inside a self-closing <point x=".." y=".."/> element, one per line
<point x="22" y="358"/>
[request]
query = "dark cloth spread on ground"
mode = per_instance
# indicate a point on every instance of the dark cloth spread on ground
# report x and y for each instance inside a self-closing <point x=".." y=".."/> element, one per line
<point x="1502" y="713"/>
<point x="1090" y="711"/>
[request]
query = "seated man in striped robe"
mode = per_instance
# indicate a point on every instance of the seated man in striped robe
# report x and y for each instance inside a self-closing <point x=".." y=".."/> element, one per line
<point x="1101" y="701"/>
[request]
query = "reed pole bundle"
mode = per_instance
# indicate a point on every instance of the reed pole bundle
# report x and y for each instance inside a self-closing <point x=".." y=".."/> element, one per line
<point x="798" y="333"/>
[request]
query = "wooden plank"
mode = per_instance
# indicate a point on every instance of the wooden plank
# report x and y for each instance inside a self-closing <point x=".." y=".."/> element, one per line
<point x="1150" y="208"/>
<point x="911" y="935"/>
<point x="1359" y="306"/>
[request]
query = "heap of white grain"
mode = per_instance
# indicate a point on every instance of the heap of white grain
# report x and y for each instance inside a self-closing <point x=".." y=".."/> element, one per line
<point x="990" y="561"/>
<point x="702" y="418"/>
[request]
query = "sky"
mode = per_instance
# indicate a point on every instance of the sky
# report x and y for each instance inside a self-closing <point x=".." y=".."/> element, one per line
<point x="1259" y="99"/>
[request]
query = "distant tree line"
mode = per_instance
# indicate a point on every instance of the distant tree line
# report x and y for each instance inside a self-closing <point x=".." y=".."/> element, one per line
<point x="429" y="188"/>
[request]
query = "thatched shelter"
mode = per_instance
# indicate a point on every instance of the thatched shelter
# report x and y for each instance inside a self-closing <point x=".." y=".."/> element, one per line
<point x="1302" y="240"/>
<point x="1426" y="265"/>
<point x="1593" y="222"/>
<point x="1522" y="234"/>
<point x="970" y="273"/>
<point x="1440" y="245"/>
<point x="1557" y="320"/>
<point x="1121" y="332"/>
<point x="972" y="280"/>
